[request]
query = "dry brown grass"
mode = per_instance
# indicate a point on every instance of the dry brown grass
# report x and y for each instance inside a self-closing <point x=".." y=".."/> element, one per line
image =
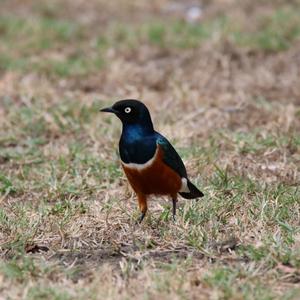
<point x="232" y="109"/>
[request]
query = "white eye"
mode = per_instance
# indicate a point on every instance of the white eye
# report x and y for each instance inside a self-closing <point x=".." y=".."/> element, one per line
<point x="127" y="110"/>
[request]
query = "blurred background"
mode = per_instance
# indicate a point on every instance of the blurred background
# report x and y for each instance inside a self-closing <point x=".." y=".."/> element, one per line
<point x="222" y="81"/>
<point x="221" y="51"/>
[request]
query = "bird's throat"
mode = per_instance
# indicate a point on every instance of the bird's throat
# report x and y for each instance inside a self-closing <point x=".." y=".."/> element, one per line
<point x="134" y="132"/>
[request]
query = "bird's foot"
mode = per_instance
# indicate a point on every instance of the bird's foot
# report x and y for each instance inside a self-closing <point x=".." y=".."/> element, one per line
<point x="174" y="209"/>
<point x="141" y="218"/>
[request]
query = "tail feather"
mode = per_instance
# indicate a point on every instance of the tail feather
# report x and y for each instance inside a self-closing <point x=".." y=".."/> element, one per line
<point x="193" y="192"/>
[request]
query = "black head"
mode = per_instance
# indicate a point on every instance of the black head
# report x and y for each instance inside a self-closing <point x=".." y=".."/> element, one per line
<point x="131" y="111"/>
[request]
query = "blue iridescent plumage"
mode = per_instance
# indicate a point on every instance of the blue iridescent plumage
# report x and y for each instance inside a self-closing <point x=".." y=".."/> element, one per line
<point x="138" y="145"/>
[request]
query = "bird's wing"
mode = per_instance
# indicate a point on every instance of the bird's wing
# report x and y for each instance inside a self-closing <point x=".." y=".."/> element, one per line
<point x="171" y="157"/>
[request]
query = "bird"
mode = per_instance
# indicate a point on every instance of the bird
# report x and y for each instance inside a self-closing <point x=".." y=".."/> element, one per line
<point x="151" y="164"/>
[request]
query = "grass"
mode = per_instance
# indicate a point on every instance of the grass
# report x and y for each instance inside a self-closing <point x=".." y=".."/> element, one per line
<point x="33" y="44"/>
<point x="68" y="217"/>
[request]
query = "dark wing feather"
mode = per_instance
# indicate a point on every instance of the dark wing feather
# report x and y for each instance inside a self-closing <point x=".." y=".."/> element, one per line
<point x="173" y="160"/>
<point x="171" y="157"/>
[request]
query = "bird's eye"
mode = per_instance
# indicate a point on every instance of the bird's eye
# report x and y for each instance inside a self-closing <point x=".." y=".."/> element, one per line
<point x="127" y="110"/>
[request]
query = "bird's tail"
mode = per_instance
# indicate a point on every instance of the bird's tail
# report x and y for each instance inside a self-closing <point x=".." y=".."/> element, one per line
<point x="193" y="192"/>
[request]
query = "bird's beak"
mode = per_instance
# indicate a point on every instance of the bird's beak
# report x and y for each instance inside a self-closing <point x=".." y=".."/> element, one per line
<point x="108" y="109"/>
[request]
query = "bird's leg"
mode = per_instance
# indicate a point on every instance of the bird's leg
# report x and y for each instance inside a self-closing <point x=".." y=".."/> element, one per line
<point x="141" y="218"/>
<point x="143" y="206"/>
<point x="174" y="200"/>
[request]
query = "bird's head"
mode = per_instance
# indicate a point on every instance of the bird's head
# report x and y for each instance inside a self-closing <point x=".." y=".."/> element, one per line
<point x="131" y="112"/>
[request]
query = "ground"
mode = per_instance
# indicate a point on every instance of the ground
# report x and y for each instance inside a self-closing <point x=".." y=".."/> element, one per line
<point x="222" y="82"/>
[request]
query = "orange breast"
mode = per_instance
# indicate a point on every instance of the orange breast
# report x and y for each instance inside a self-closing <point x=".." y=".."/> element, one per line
<point x="157" y="178"/>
